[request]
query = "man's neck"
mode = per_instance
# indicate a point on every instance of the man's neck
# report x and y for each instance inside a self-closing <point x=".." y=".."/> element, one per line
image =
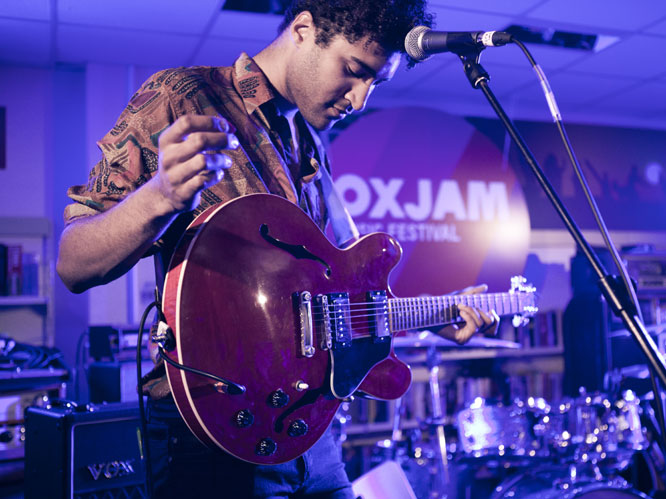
<point x="272" y="61"/>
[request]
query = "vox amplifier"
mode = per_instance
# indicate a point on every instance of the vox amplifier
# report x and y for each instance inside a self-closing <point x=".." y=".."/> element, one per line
<point x="84" y="452"/>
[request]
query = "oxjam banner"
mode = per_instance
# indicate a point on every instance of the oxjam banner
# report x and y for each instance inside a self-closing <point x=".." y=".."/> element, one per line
<point x="440" y="187"/>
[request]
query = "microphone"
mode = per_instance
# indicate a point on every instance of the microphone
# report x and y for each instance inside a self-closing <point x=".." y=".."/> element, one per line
<point x="421" y="41"/>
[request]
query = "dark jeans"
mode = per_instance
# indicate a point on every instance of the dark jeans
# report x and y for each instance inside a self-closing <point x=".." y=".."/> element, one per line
<point x="183" y="467"/>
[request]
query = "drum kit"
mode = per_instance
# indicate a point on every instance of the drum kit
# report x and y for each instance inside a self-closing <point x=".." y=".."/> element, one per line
<point x="583" y="447"/>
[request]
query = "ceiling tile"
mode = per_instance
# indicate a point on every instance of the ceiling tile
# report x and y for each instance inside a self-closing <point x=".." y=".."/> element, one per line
<point x="513" y="7"/>
<point x="245" y="25"/>
<point x="658" y="28"/>
<point x="648" y="97"/>
<point x="26" y="9"/>
<point x="173" y="16"/>
<point x="224" y="51"/>
<point x="85" y="44"/>
<point x="549" y="58"/>
<point x="574" y="89"/>
<point x="464" y="20"/>
<point x="634" y="57"/>
<point x="25" y="42"/>
<point x="603" y="14"/>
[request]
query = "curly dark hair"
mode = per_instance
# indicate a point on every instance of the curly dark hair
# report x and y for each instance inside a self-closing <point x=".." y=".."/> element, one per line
<point x="386" y="22"/>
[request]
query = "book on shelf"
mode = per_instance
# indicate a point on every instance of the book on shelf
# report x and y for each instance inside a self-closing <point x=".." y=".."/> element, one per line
<point x="19" y="271"/>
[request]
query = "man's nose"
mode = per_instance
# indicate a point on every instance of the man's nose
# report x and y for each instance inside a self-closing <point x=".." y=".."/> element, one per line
<point x="359" y="94"/>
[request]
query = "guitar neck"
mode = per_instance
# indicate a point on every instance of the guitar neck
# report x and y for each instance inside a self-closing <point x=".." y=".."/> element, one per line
<point x="428" y="311"/>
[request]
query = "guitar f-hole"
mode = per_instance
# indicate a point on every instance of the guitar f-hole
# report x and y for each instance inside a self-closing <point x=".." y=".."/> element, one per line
<point x="297" y="250"/>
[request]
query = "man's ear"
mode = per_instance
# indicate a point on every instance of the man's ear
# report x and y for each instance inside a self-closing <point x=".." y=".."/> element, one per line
<point x="303" y="28"/>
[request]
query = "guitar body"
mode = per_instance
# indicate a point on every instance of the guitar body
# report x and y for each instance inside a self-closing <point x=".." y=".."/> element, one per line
<point x="229" y="298"/>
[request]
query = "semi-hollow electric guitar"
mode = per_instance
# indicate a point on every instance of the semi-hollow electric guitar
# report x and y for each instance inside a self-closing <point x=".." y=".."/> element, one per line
<point x="257" y="295"/>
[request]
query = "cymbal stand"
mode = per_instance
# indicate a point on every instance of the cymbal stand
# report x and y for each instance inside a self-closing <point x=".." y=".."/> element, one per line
<point x="437" y="420"/>
<point x="396" y="431"/>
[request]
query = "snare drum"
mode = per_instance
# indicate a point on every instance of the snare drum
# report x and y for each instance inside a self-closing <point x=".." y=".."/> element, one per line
<point x="495" y="430"/>
<point x="552" y="483"/>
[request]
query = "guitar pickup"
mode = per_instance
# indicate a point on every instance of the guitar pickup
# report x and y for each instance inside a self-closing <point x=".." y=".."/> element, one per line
<point x="378" y="315"/>
<point x="337" y="319"/>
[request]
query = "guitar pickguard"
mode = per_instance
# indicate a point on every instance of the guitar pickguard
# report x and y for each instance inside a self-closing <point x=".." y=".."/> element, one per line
<point x="350" y="365"/>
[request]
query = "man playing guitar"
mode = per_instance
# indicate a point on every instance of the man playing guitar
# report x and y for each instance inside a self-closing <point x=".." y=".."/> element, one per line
<point x="191" y="139"/>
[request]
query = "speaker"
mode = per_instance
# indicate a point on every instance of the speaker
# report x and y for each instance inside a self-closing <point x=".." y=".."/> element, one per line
<point x="84" y="452"/>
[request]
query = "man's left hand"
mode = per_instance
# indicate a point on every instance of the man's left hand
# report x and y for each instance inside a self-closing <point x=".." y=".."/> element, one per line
<point x="475" y="320"/>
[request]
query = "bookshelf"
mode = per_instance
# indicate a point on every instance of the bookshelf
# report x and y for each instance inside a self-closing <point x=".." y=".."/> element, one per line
<point x="26" y="315"/>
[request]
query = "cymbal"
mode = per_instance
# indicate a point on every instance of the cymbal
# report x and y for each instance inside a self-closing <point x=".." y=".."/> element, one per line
<point x="652" y="329"/>
<point x="426" y="339"/>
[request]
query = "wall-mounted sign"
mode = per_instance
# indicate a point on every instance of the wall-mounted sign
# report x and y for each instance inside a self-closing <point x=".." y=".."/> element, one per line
<point x="442" y="189"/>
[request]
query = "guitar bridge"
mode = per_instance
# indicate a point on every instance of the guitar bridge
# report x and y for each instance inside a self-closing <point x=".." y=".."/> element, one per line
<point x="329" y="317"/>
<point x="307" y="323"/>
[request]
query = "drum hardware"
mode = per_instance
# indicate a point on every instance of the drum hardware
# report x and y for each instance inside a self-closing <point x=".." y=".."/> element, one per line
<point x="556" y="483"/>
<point x="574" y="447"/>
<point x="437" y="413"/>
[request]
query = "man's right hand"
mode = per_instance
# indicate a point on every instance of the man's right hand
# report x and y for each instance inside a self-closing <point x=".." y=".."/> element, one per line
<point x="95" y="250"/>
<point x="191" y="158"/>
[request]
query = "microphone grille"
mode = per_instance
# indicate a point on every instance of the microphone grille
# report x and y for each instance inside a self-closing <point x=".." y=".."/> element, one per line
<point x="413" y="43"/>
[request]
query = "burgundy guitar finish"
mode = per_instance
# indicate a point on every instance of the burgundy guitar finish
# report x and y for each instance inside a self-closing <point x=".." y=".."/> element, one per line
<point x="228" y="297"/>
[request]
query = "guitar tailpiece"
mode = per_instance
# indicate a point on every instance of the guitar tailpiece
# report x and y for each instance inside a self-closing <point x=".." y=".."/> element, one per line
<point x="230" y="387"/>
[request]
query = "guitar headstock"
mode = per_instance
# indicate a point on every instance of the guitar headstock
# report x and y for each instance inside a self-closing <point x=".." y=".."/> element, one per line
<point x="526" y="294"/>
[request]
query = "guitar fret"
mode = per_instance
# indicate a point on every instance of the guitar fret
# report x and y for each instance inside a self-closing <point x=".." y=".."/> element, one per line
<point x="415" y="313"/>
<point x="415" y="317"/>
<point x="426" y="311"/>
<point x="402" y="314"/>
<point x="401" y="317"/>
<point x="398" y="314"/>
<point x="415" y="321"/>
<point x="410" y="314"/>
<point x="433" y="310"/>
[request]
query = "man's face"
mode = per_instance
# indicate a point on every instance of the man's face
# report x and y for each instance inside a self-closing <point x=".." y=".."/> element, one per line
<point x="327" y="83"/>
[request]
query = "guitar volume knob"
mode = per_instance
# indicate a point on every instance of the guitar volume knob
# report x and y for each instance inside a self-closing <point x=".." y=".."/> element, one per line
<point x="297" y="428"/>
<point x="265" y="447"/>
<point x="278" y="398"/>
<point x="243" y="418"/>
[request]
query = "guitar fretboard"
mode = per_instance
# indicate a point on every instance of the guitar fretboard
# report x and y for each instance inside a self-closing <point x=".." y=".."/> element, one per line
<point x="427" y="311"/>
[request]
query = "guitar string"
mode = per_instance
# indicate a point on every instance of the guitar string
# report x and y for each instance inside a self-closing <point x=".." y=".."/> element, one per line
<point x="434" y="299"/>
<point x="404" y="317"/>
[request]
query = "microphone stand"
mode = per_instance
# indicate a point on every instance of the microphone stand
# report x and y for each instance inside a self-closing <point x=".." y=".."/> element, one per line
<point x="614" y="292"/>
